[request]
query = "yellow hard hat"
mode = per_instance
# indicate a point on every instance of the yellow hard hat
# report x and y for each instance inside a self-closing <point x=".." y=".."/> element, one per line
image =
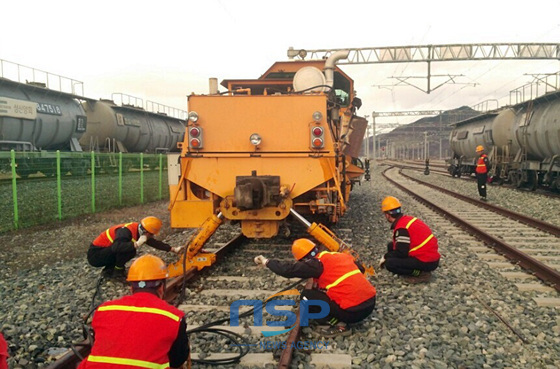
<point x="151" y="224"/>
<point x="147" y="268"/>
<point x="479" y="148"/>
<point x="302" y="247"/>
<point x="390" y="203"/>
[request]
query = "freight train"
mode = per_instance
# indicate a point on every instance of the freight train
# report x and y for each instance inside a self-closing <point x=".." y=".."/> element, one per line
<point x="36" y="121"/>
<point x="287" y="141"/>
<point x="522" y="142"/>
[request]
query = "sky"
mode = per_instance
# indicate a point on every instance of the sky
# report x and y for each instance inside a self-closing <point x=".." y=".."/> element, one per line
<point x="164" y="50"/>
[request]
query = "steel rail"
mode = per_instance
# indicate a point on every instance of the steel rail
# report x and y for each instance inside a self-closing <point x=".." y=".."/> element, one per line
<point x="541" y="191"/>
<point x="543" y="226"/>
<point x="527" y="262"/>
<point x="287" y="353"/>
<point x="173" y="289"/>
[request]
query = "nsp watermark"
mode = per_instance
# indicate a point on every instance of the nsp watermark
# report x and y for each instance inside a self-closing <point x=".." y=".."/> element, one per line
<point x="270" y="305"/>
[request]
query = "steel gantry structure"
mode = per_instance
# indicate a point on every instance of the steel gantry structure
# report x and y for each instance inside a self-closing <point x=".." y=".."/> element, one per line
<point x="430" y="53"/>
<point x="433" y="53"/>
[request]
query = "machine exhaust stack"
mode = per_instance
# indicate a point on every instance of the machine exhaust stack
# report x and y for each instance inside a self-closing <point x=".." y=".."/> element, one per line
<point x="331" y="62"/>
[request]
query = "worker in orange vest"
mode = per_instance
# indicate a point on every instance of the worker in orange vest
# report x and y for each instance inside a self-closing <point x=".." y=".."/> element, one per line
<point x="413" y="251"/>
<point x="139" y="330"/>
<point x="482" y="167"/>
<point x="340" y="283"/>
<point x="115" y="246"/>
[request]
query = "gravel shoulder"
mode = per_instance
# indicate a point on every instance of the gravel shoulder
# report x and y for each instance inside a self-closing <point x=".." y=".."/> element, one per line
<point x="46" y="288"/>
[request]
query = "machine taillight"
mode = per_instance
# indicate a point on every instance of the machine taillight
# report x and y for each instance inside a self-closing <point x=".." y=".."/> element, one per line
<point x="195" y="138"/>
<point x="195" y="132"/>
<point x="317" y="140"/>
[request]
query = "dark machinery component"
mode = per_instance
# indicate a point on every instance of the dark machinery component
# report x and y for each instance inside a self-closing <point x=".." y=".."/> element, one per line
<point x="256" y="192"/>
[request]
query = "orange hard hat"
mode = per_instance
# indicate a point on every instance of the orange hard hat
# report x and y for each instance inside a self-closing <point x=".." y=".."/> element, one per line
<point x="302" y="247"/>
<point x="479" y="148"/>
<point x="151" y="224"/>
<point x="147" y="268"/>
<point x="390" y="203"/>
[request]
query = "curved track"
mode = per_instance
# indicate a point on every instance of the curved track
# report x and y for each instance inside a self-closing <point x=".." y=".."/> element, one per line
<point x="530" y="243"/>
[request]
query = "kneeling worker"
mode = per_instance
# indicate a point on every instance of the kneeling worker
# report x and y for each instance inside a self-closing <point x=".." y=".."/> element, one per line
<point x="340" y="281"/>
<point x="140" y="330"/>
<point x="413" y="251"/>
<point x="115" y="246"/>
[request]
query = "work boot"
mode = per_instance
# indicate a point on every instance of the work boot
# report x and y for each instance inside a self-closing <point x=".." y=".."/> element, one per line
<point x="423" y="277"/>
<point x="119" y="273"/>
<point x="340" y="329"/>
<point x="107" y="272"/>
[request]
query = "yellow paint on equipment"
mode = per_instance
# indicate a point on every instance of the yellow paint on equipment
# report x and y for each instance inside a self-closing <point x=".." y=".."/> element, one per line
<point x="259" y="149"/>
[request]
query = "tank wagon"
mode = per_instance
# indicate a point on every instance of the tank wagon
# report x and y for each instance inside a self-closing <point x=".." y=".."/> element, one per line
<point x="37" y="121"/>
<point x="33" y="118"/>
<point x="522" y="141"/>
<point x="127" y="128"/>
<point x="285" y="141"/>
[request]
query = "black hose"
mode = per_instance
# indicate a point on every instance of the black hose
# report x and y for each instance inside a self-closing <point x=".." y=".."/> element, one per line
<point x="181" y="296"/>
<point x="237" y="339"/>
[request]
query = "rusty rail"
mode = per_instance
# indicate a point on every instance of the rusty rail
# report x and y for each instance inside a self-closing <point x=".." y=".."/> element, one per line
<point x="527" y="262"/>
<point x="173" y="289"/>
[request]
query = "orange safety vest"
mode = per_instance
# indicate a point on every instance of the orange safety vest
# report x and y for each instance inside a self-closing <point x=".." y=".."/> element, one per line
<point x="106" y="238"/>
<point x="480" y="166"/>
<point x="136" y="331"/>
<point x="423" y="243"/>
<point x="3" y="353"/>
<point x="343" y="281"/>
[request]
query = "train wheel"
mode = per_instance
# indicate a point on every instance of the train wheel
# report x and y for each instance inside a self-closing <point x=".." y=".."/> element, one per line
<point x="512" y="177"/>
<point x="533" y="181"/>
<point x="518" y="182"/>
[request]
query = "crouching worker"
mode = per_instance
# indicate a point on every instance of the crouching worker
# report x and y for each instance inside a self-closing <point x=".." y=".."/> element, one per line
<point x="340" y="283"/>
<point x="115" y="246"/>
<point x="139" y="330"/>
<point x="413" y="252"/>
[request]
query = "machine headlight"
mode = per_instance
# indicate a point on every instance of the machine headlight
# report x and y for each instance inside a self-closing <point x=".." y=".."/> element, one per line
<point x="193" y="116"/>
<point x="255" y="139"/>
<point x="317" y="116"/>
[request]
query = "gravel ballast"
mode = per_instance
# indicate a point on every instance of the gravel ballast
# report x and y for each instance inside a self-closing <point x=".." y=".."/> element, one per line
<point x="46" y="288"/>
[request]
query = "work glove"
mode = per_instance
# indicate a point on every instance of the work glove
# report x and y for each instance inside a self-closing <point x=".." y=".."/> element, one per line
<point x="177" y="249"/>
<point x="261" y="260"/>
<point x="142" y="240"/>
<point x="382" y="261"/>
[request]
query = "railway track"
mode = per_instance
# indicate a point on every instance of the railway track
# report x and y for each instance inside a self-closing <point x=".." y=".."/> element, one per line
<point x="529" y="243"/>
<point x="209" y="297"/>
<point x="441" y="169"/>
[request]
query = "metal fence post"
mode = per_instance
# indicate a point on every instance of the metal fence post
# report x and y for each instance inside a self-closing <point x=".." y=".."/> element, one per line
<point x="92" y="182"/>
<point x="160" y="175"/>
<point x="141" y="177"/>
<point x="58" y="185"/>
<point x="120" y="178"/>
<point x="14" y="189"/>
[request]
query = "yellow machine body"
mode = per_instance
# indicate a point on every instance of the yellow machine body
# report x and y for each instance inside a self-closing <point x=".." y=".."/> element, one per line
<point x="257" y="183"/>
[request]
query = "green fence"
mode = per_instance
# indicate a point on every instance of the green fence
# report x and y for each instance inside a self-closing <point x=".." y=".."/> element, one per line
<point x="43" y="187"/>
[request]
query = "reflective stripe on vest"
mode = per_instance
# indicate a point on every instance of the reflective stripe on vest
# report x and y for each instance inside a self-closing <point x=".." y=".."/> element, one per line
<point x="109" y="234"/>
<point x="349" y="274"/>
<point x="140" y="310"/>
<point x="125" y="361"/>
<point x="481" y="165"/>
<point x="424" y="242"/>
<point x="343" y="277"/>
